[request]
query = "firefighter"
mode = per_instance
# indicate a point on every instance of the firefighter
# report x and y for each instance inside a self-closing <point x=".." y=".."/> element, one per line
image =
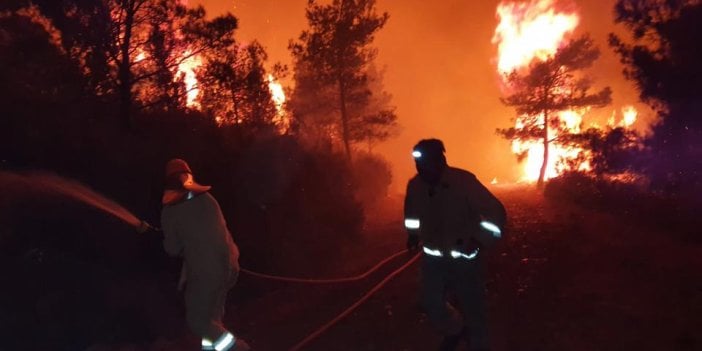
<point x="194" y="227"/>
<point x="453" y="218"/>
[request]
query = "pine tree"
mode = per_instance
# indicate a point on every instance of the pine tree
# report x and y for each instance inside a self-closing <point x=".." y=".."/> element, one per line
<point x="331" y="61"/>
<point x="548" y="87"/>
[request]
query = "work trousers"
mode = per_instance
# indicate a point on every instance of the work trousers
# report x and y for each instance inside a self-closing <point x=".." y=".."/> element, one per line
<point x="465" y="278"/>
<point x="205" y="299"/>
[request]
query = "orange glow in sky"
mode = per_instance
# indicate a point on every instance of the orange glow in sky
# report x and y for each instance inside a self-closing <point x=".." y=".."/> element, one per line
<point x="441" y="70"/>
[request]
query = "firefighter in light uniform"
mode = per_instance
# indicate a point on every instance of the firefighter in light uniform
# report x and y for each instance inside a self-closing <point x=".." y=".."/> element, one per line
<point x="455" y="218"/>
<point x="194" y="227"/>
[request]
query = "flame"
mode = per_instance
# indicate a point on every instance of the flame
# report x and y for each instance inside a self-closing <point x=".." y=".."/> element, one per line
<point x="558" y="154"/>
<point x="186" y="70"/>
<point x="529" y="31"/>
<point x="535" y="30"/>
<point x="141" y="56"/>
<point x="278" y="97"/>
<point x="629" y="117"/>
<point x="630" y="114"/>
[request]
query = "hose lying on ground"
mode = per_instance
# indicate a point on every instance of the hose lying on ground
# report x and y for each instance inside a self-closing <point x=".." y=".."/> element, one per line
<point x="319" y="331"/>
<point x="325" y="281"/>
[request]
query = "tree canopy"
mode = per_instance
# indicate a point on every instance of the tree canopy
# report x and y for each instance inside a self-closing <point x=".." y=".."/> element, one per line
<point x="333" y="60"/>
<point x="663" y="59"/>
<point x="548" y="87"/>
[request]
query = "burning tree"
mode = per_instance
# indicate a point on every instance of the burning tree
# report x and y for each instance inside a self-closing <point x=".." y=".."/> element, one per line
<point x="140" y="52"/>
<point x="158" y="42"/>
<point x="236" y="88"/>
<point x="547" y="89"/>
<point x="332" y="61"/>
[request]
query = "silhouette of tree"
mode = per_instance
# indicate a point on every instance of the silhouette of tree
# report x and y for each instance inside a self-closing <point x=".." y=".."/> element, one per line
<point x="235" y="88"/>
<point x="331" y="61"/>
<point x="377" y="120"/>
<point x="548" y="87"/>
<point x="126" y="46"/>
<point x="663" y="59"/>
<point x="611" y="151"/>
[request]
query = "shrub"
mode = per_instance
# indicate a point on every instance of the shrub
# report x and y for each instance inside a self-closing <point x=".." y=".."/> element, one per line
<point x="372" y="175"/>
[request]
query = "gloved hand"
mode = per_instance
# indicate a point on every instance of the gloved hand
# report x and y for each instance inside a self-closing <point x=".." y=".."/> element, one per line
<point x="412" y="242"/>
<point x="143" y="227"/>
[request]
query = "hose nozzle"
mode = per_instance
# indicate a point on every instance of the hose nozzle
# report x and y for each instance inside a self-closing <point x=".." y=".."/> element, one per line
<point x="144" y="227"/>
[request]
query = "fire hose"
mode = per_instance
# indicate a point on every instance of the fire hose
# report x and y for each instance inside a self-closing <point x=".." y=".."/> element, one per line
<point x="145" y="226"/>
<point x="319" y="331"/>
<point x="323" y="328"/>
<point x="325" y="281"/>
<point x="53" y="184"/>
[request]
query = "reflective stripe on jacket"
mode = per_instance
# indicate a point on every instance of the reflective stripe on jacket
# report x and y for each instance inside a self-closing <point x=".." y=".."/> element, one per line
<point x="449" y="213"/>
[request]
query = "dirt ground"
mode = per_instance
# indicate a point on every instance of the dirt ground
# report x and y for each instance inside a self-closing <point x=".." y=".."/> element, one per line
<point x="565" y="278"/>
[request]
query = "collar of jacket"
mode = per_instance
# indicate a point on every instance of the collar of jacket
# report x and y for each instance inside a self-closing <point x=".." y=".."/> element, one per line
<point x="173" y="197"/>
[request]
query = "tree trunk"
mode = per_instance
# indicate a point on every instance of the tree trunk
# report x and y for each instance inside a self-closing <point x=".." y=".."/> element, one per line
<point x="544" y="165"/>
<point x="125" y="69"/>
<point x="344" y="118"/>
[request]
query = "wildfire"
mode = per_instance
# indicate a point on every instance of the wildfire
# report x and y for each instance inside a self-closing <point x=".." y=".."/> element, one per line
<point x="528" y="31"/>
<point x="630" y="115"/>
<point x="278" y="96"/>
<point x="535" y="30"/>
<point x="186" y="69"/>
<point x="141" y="56"/>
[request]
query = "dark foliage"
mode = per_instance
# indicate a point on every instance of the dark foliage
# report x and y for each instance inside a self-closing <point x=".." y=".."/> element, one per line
<point x="338" y="96"/>
<point x="611" y="151"/>
<point x="630" y="200"/>
<point x="80" y="277"/>
<point x="372" y="177"/>
<point x="664" y="61"/>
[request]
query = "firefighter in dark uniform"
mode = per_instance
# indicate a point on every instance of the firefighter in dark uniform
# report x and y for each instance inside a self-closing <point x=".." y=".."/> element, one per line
<point x="194" y="227"/>
<point x="453" y="218"/>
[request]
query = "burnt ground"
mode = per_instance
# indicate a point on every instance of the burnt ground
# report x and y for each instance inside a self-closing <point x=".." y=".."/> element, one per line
<point x="564" y="278"/>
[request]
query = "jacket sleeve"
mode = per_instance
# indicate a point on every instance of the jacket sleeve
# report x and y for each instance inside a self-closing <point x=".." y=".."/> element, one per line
<point x="487" y="205"/>
<point x="171" y="241"/>
<point x="411" y="211"/>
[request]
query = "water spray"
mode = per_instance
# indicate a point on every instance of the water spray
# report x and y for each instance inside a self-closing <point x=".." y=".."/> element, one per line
<point x="53" y="184"/>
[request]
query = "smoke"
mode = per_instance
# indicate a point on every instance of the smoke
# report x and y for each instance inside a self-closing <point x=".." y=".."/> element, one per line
<point x="441" y="70"/>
